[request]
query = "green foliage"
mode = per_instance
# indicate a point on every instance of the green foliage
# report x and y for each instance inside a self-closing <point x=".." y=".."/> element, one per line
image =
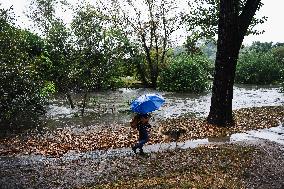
<point x="202" y="19"/>
<point x="150" y="33"/>
<point x="113" y="83"/>
<point x="101" y="49"/>
<point x="258" y="68"/>
<point x="60" y="55"/>
<point x="33" y="44"/>
<point x="278" y="53"/>
<point x="20" y="101"/>
<point x="185" y="74"/>
<point x="261" y="47"/>
<point x="191" y="46"/>
<point x="48" y="89"/>
<point x="55" y="64"/>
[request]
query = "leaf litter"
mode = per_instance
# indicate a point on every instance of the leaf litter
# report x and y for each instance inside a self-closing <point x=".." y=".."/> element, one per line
<point x="57" y="143"/>
<point x="216" y="166"/>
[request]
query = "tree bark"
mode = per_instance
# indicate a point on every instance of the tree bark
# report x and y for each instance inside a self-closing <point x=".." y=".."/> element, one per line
<point x="84" y="103"/>
<point x="231" y="31"/>
<point x="69" y="98"/>
<point x="153" y="71"/>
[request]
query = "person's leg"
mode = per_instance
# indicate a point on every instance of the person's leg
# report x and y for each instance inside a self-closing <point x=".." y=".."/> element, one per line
<point x="139" y="145"/>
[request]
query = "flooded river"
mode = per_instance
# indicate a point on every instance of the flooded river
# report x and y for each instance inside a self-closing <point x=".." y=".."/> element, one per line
<point x="111" y="107"/>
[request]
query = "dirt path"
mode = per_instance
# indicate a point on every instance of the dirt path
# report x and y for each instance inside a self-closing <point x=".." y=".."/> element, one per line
<point x="267" y="168"/>
<point x="58" y="142"/>
<point x="258" y="164"/>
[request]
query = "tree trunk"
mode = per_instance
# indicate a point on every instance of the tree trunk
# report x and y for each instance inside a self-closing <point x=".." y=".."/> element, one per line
<point x="69" y="98"/>
<point x="84" y="103"/>
<point x="152" y="66"/>
<point x="231" y="31"/>
<point x="140" y="69"/>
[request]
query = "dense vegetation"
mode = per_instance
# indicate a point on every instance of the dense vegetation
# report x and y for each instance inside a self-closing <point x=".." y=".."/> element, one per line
<point x="261" y="63"/>
<point x="20" y="84"/>
<point x="186" y="74"/>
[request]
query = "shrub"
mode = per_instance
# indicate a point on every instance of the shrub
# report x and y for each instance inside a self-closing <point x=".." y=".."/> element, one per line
<point x="258" y="68"/>
<point x="278" y="53"/>
<point x="185" y="74"/>
<point x="21" y="103"/>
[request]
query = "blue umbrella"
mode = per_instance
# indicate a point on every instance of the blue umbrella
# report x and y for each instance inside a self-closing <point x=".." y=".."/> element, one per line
<point x="147" y="103"/>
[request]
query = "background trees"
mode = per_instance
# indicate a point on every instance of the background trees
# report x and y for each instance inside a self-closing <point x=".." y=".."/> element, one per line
<point x="260" y="64"/>
<point x="148" y="25"/>
<point x="58" y="45"/>
<point x="202" y="20"/>
<point x="100" y="50"/>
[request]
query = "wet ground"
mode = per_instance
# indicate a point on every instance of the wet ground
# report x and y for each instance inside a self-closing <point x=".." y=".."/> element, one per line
<point x="253" y="164"/>
<point x="273" y="134"/>
<point x="30" y="164"/>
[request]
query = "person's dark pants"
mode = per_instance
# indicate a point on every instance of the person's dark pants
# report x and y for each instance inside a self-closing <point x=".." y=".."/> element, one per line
<point x="140" y="144"/>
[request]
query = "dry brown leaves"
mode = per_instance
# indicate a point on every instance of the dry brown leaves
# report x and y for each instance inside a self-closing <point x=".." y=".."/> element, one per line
<point x="61" y="141"/>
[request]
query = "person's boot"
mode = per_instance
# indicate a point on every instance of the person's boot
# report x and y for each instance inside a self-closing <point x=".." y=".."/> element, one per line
<point x="134" y="150"/>
<point x="141" y="152"/>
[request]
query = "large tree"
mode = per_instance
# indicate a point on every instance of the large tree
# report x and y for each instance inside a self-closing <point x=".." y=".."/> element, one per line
<point x="233" y="24"/>
<point x="58" y="43"/>
<point x="149" y="25"/>
<point x="201" y="19"/>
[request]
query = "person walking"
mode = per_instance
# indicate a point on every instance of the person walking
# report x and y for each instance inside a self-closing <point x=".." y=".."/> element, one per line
<point x="143" y="128"/>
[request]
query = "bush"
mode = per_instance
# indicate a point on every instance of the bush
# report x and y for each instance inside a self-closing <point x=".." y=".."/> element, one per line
<point x="185" y="74"/>
<point x="21" y="103"/>
<point x="278" y="53"/>
<point x="258" y="68"/>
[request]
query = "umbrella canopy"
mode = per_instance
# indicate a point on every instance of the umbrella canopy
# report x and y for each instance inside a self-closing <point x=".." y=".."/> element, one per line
<point x="147" y="103"/>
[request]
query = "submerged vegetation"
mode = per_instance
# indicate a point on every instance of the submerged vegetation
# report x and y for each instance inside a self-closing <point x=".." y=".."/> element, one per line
<point x="186" y="74"/>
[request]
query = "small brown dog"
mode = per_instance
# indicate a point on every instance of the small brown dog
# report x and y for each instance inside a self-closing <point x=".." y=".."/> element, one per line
<point x="171" y="135"/>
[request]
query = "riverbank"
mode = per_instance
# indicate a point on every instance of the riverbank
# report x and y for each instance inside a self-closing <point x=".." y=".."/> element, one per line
<point x="58" y="142"/>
